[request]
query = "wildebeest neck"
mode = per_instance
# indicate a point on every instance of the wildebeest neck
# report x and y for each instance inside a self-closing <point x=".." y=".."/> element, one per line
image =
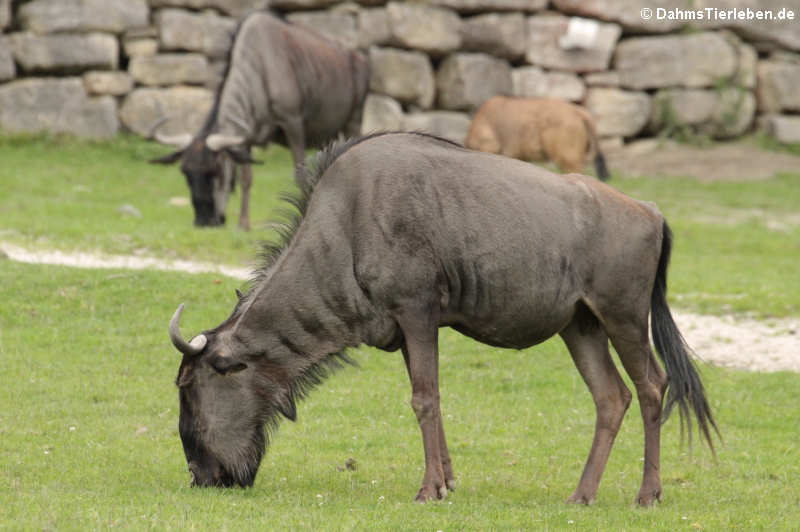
<point x="298" y="310"/>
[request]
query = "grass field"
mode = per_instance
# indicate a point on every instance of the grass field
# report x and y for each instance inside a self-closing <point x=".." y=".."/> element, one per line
<point x="88" y="408"/>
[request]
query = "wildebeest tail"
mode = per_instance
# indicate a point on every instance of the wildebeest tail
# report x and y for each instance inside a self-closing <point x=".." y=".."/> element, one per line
<point x="685" y="387"/>
<point x="594" y="145"/>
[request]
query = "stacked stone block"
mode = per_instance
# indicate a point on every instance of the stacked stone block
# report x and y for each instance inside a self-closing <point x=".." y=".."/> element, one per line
<point x="97" y="67"/>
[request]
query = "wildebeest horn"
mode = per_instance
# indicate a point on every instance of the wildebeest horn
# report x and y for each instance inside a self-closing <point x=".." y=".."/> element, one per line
<point x="187" y="348"/>
<point x="216" y="141"/>
<point x="180" y="141"/>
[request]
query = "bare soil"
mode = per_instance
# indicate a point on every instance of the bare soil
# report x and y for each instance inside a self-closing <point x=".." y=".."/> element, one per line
<point x="730" y="161"/>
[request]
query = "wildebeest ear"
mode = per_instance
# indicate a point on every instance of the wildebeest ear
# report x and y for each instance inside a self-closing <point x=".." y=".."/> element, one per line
<point x="226" y="365"/>
<point x="288" y="408"/>
<point x="167" y="159"/>
<point x="239" y="294"/>
<point x="241" y="156"/>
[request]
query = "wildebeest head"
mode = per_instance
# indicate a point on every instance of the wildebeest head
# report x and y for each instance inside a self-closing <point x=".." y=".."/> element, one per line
<point x="228" y="401"/>
<point x="208" y="162"/>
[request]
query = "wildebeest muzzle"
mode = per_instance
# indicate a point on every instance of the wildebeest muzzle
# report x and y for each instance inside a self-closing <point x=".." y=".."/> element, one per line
<point x="212" y="475"/>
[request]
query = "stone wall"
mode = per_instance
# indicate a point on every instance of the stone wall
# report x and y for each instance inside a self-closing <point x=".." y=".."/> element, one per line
<point x="97" y="67"/>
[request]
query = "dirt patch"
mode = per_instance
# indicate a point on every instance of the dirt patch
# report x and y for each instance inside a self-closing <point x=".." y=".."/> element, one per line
<point x="126" y="262"/>
<point x="783" y="222"/>
<point x="756" y="345"/>
<point x="730" y="161"/>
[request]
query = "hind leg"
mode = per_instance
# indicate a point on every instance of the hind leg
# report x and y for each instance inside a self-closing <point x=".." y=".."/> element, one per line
<point x="633" y="346"/>
<point x="296" y="138"/>
<point x="588" y="344"/>
<point x="560" y="146"/>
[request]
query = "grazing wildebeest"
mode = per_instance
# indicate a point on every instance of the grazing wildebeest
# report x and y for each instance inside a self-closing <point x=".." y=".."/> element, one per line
<point x="284" y="83"/>
<point x="401" y="234"/>
<point x="537" y="129"/>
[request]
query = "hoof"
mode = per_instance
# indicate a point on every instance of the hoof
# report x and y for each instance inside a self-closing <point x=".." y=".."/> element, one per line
<point x="429" y="493"/>
<point x="577" y="498"/>
<point x="646" y="500"/>
<point x="451" y="484"/>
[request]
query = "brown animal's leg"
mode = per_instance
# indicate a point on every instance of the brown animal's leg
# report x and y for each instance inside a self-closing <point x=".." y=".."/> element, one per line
<point x="247" y="180"/>
<point x="296" y="138"/>
<point x="422" y="354"/>
<point x="588" y="345"/>
<point x="563" y="149"/>
<point x="447" y="465"/>
<point x="633" y="345"/>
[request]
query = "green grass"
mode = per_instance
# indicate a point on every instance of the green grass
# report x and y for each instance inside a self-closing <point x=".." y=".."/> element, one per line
<point x="66" y="194"/>
<point x="58" y="192"/>
<point x="737" y="245"/>
<point x="88" y="434"/>
<point x="88" y="408"/>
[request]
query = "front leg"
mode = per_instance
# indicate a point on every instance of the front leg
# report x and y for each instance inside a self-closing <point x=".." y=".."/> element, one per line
<point x="421" y="354"/>
<point x="447" y="465"/>
<point x="246" y="181"/>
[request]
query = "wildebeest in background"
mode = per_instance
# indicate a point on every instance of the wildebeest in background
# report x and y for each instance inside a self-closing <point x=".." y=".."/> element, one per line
<point x="285" y="84"/>
<point x="537" y="129"/>
<point x="403" y="234"/>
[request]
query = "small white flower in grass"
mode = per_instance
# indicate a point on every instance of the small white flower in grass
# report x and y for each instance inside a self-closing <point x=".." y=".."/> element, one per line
<point x="374" y="482"/>
<point x="571" y="522"/>
<point x="381" y="498"/>
<point x="72" y="429"/>
<point x="319" y="495"/>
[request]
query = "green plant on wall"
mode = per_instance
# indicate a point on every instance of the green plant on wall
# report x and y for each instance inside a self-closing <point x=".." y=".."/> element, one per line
<point x="672" y="127"/>
<point x="731" y="100"/>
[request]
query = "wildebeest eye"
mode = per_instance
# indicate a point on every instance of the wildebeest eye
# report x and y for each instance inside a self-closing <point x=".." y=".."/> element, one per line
<point x="226" y="365"/>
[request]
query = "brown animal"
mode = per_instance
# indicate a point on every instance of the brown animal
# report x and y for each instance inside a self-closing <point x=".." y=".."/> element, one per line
<point x="537" y="129"/>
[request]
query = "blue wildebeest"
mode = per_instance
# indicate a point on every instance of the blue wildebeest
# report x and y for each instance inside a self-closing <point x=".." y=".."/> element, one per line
<point x="401" y="234"/>
<point x="285" y="84"/>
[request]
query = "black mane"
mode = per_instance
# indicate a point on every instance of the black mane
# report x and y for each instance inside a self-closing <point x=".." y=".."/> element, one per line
<point x="211" y="119"/>
<point x="313" y="171"/>
<point x="315" y="168"/>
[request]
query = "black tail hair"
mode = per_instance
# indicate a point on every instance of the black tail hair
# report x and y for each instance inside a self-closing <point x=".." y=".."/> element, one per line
<point x="685" y="387"/>
<point x="600" y="167"/>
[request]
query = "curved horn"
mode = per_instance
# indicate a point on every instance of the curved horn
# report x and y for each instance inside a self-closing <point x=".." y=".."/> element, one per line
<point x="217" y="141"/>
<point x="180" y="141"/>
<point x="187" y="348"/>
<point x="158" y="123"/>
